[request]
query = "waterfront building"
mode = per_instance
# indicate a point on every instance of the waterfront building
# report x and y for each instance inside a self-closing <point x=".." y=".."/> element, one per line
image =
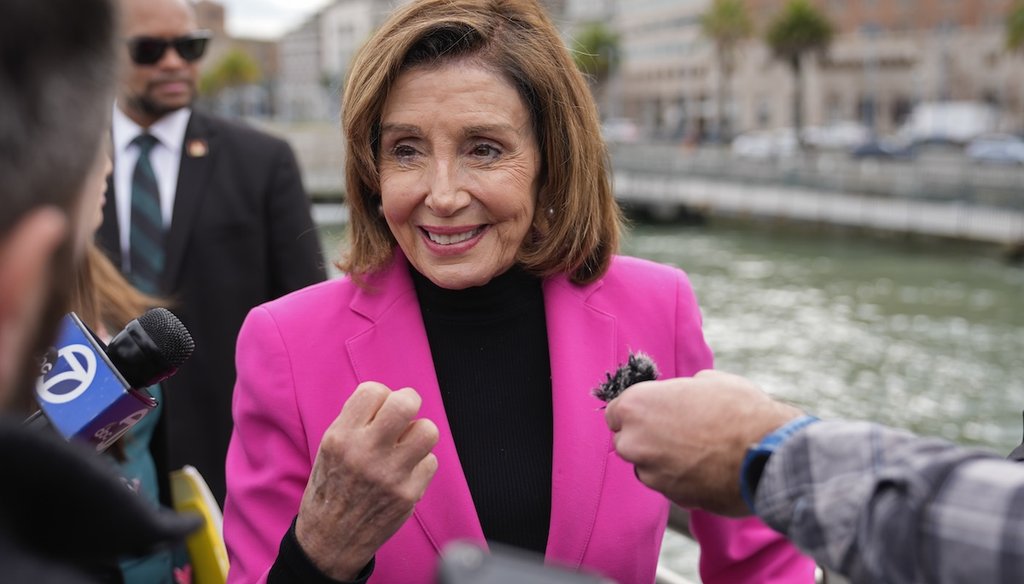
<point x="666" y="66"/>
<point x="889" y="56"/>
<point x="301" y="88"/>
<point x="886" y="57"/>
<point x="316" y="55"/>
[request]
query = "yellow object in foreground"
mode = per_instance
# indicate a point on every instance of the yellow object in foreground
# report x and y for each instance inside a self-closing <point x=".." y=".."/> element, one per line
<point x="190" y="494"/>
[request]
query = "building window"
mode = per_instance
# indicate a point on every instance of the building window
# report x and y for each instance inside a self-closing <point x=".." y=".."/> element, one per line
<point x="866" y="107"/>
<point x="833" y="108"/>
<point x="901" y="109"/>
<point x="990" y="96"/>
<point x="763" y="113"/>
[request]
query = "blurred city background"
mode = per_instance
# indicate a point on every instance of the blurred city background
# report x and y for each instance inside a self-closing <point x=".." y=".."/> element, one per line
<point x="899" y="72"/>
<point x="862" y="113"/>
<point x="842" y="179"/>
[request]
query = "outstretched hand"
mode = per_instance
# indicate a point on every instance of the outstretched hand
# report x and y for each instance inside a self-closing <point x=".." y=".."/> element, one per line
<point x="373" y="466"/>
<point x="687" y="436"/>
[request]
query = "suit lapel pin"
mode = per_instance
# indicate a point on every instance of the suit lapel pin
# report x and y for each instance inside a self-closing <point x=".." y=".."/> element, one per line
<point x="197" y="148"/>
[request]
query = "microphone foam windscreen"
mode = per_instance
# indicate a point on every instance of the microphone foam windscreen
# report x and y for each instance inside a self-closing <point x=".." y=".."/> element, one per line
<point x="638" y="368"/>
<point x="169" y="334"/>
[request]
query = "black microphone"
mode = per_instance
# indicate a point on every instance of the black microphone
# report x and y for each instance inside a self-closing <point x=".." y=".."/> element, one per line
<point x="150" y="348"/>
<point x="93" y="392"/>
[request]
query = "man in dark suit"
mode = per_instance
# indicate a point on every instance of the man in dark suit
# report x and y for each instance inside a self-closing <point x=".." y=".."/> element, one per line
<point x="208" y="212"/>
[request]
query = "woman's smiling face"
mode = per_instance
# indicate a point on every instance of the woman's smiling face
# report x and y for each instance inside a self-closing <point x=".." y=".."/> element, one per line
<point x="459" y="167"/>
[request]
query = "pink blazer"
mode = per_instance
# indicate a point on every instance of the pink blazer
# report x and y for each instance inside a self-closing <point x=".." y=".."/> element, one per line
<point x="299" y="357"/>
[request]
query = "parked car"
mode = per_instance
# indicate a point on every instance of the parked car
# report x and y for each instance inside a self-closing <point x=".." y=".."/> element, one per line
<point x="620" y="131"/>
<point x="948" y="122"/>
<point x="996" y="149"/>
<point x="841" y="135"/>
<point x="884" y="148"/>
<point x="765" y="144"/>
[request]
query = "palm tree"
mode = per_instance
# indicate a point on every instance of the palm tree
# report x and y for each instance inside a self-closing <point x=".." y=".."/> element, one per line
<point x="726" y="23"/>
<point x="596" y="54"/>
<point x="1015" y="27"/>
<point x="798" y="30"/>
<point x="234" y="69"/>
<point x="221" y="83"/>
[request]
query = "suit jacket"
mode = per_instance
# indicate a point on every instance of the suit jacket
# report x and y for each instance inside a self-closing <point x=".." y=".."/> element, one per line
<point x="300" y="357"/>
<point x="241" y="234"/>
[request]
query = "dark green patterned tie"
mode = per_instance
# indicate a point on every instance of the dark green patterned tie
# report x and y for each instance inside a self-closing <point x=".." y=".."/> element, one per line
<point x="146" y="241"/>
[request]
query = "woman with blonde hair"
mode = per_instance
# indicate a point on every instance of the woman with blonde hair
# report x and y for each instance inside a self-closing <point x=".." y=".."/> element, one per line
<point x="483" y="301"/>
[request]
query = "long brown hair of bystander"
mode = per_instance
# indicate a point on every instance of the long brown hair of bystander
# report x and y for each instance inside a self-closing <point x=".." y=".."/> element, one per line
<point x="106" y="302"/>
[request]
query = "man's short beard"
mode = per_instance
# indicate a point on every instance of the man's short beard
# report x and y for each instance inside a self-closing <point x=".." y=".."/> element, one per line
<point x="155" y="110"/>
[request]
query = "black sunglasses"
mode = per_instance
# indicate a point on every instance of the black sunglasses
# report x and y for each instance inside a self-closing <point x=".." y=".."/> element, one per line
<point x="146" y="50"/>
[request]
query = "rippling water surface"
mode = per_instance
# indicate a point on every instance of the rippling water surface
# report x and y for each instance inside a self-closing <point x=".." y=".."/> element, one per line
<point x="928" y="337"/>
<point x="925" y="337"/>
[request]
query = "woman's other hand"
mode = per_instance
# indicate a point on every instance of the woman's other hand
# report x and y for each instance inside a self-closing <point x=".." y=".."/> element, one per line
<point x="373" y="466"/>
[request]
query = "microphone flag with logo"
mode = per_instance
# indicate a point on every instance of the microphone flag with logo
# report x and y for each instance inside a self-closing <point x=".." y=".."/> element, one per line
<point x="94" y="393"/>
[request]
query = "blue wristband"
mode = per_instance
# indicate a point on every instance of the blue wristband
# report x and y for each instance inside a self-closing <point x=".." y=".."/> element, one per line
<point x="757" y="456"/>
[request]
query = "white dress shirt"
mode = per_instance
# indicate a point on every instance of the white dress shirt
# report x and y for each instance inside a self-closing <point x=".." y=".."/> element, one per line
<point x="165" y="158"/>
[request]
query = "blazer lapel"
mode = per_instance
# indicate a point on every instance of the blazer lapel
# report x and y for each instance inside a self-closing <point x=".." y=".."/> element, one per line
<point x="197" y="159"/>
<point x="582" y="344"/>
<point x="394" y="351"/>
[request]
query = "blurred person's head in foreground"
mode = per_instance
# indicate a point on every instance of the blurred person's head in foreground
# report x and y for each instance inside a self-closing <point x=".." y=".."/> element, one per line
<point x="57" y="74"/>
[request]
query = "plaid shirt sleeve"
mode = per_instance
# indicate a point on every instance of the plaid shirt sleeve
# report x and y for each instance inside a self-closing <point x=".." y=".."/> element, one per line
<point x="883" y="505"/>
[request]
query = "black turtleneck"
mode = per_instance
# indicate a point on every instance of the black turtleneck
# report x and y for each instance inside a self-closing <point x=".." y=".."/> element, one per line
<point x="490" y="350"/>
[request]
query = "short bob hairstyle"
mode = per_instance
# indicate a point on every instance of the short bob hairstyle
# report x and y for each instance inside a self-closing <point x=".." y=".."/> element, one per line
<point x="577" y="224"/>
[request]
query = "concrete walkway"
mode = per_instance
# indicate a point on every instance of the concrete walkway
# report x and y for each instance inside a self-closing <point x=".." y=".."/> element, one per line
<point x="956" y="220"/>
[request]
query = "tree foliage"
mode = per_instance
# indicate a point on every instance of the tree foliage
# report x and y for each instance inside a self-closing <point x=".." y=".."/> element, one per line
<point x="799" y="29"/>
<point x="235" y="69"/>
<point x="1015" y="27"/>
<point x="727" y="23"/>
<point x="596" y="51"/>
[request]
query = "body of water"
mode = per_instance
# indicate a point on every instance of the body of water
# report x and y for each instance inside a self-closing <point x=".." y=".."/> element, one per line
<point x="924" y="336"/>
<point x="928" y="337"/>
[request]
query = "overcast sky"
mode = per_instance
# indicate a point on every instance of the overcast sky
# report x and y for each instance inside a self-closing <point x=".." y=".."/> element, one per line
<point x="267" y="18"/>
